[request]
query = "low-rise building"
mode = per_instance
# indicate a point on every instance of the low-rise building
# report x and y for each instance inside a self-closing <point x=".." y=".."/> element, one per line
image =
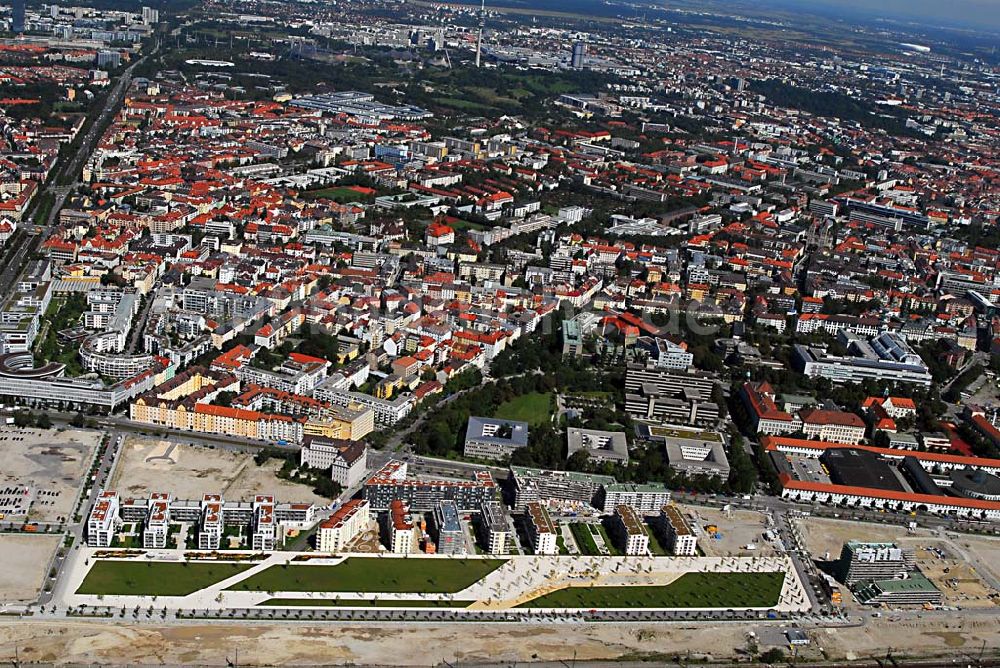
<point x="600" y="446"/>
<point x="347" y="461"/>
<point x="493" y="438"/>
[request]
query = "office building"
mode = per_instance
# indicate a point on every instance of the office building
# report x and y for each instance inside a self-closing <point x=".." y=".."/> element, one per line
<point x="886" y="357"/>
<point x="660" y="396"/>
<point x="873" y="561"/>
<point x="600" y="446"/>
<point x="579" y="53"/>
<point x="17" y="16"/>
<point x="693" y="452"/>
<point x="494" y="439"/>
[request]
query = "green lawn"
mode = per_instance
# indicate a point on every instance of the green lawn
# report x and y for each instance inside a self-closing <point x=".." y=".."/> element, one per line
<point x="374" y="575"/>
<point x="155" y="578"/>
<point x="534" y="408"/>
<point x="691" y="590"/>
<point x="343" y="603"/>
<point x="584" y="539"/>
<point x="608" y="541"/>
<point x="338" y="194"/>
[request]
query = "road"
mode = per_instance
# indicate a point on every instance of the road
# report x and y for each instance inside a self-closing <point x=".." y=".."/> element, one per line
<point x="27" y="244"/>
<point x="106" y="462"/>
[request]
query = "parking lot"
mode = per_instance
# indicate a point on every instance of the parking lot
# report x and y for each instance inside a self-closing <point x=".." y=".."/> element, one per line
<point x="43" y="471"/>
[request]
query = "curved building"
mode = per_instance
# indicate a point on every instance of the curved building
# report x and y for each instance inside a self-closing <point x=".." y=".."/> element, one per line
<point x="975" y="484"/>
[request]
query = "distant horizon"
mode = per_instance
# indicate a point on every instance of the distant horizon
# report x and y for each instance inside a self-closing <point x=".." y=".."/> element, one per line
<point x="984" y="14"/>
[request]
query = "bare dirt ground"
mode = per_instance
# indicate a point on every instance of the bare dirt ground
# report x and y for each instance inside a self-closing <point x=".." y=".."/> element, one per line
<point x="375" y="644"/>
<point x="26" y="557"/>
<point x="51" y="463"/>
<point x="736" y="530"/>
<point x="964" y="568"/>
<point x="189" y="471"/>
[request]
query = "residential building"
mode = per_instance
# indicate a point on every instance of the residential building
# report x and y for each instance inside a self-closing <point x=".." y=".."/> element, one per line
<point x="349" y="521"/>
<point x="678" y="537"/>
<point x="630" y="530"/>
<point x="541" y="530"/>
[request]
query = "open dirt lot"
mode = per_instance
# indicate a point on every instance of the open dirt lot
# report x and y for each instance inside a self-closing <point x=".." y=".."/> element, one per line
<point x="963" y="567"/>
<point x="26" y="558"/>
<point x="740" y="528"/>
<point x="379" y="644"/>
<point x="189" y="471"/>
<point x="49" y="464"/>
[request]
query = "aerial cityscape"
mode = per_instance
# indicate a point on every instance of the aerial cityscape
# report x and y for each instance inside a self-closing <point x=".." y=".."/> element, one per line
<point x="525" y="332"/>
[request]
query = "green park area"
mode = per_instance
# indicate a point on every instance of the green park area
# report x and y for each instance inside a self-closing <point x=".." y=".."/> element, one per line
<point x="535" y="408"/>
<point x="362" y="574"/>
<point x="154" y="578"/>
<point x="360" y="603"/>
<point x="341" y="194"/>
<point x="691" y="590"/>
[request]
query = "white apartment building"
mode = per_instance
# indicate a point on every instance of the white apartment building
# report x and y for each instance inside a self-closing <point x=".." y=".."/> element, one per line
<point x="264" y="528"/>
<point x="631" y="530"/>
<point x="541" y="530"/>
<point x="351" y="519"/>
<point x="346" y="460"/>
<point x="154" y="533"/>
<point x="681" y="540"/>
<point x="103" y="520"/>
<point x="832" y="426"/>
<point x="495" y="528"/>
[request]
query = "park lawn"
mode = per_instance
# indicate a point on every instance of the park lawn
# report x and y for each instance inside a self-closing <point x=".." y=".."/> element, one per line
<point x="155" y="578"/>
<point x="463" y="105"/>
<point x="374" y="575"/>
<point x="338" y="194"/>
<point x="358" y="603"/>
<point x="691" y="590"/>
<point x="535" y="408"/>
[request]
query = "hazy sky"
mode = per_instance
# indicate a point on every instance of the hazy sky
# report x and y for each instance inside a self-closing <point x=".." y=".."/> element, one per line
<point x="982" y="13"/>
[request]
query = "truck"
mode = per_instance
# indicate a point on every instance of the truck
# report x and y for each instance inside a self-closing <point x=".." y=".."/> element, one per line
<point x="8" y="421"/>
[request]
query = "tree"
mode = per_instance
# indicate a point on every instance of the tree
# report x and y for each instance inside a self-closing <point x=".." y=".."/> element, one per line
<point x="773" y="655"/>
<point x="78" y="421"/>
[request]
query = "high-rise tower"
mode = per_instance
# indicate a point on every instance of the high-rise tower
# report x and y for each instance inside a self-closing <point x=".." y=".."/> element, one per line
<point x="479" y="40"/>
<point x="17" y="20"/>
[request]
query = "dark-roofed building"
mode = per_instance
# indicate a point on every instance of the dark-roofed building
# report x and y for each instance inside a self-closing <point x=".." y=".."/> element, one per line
<point x="854" y="467"/>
